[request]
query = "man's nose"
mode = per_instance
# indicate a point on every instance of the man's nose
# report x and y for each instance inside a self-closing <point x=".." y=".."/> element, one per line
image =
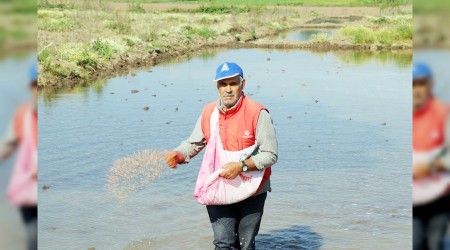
<point x="228" y="89"/>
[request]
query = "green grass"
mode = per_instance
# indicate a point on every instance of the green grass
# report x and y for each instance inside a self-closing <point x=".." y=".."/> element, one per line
<point x="45" y="4"/>
<point x="214" y="9"/>
<point x="320" y="37"/>
<point x="104" y="48"/>
<point x="59" y="25"/>
<point x="136" y="8"/>
<point x="202" y="32"/>
<point x="381" y="3"/>
<point x="384" y="36"/>
<point x="390" y="20"/>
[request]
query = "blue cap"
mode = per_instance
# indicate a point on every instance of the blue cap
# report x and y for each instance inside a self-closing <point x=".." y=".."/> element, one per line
<point x="33" y="72"/>
<point x="421" y="70"/>
<point x="227" y="70"/>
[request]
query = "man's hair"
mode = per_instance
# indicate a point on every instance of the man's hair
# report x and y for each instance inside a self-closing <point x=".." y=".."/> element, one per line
<point x="33" y="84"/>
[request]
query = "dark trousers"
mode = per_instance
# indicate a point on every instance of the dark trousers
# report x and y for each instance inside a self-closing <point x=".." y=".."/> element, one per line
<point x="29" y="217"/>
<point x="430" y="224"/>
<point x="236" y="225"/>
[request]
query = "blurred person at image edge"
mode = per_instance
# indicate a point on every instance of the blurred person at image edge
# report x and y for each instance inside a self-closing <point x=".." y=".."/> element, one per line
<point x="22" y="137"/>
<point x="431" y="162"/>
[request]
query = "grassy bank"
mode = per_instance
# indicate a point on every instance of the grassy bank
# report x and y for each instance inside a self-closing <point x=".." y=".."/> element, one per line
<point x="384" y="31"/>
<point x="376" y="3"/>
<point x="83" y="41"/>
<point x="17" y="27"/>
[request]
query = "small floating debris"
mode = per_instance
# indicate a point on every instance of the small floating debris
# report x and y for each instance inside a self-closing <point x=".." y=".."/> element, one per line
<point x="268" y="58"/>
<point x="165" y="85"/>
<point x="384" y="124"/>
<point x="134" y="91"/>
<point x="45" y="187"/>
<point x="289" y="117"/>
<point x="176" y="109"/>
<point x="146" y="108"/>
<point x="309" y="146"/>
<point x="168" y="122"/>
<point x="133" y="74"/>
<point x="112" y="93"/>
<point x="200" y="100"/>
<point x="350" y="119"/>
<point x="154" y="95"/>
<point x="317" y="101"/>
<point x="150" y="71"/>
<point x="283" y="71"/>
<point x="126" y="99"/>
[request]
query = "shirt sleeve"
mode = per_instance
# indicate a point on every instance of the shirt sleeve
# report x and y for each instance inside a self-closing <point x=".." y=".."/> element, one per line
<point x="267" y="143"/>
<point x="194" y="144"/>
<point x="8" y="139"/>
<point x="446" y="157"/>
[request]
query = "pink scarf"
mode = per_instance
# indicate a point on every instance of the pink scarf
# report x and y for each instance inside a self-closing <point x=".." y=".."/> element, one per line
<point x="211" y="189"/>
<point x="22" y="190"/>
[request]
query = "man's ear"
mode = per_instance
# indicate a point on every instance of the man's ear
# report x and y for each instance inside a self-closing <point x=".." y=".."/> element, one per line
<point x="243" y="84"/>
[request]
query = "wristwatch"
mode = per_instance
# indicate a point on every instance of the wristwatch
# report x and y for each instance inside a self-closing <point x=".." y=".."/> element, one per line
<point x="244" y="167"/>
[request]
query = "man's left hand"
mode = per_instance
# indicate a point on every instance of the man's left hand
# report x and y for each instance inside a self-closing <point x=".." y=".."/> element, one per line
<point x="231" y="170"/>
<point x="420" y="171"/>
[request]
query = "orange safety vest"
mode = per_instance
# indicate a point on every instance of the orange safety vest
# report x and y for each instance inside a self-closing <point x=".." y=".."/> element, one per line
<point x="429" y="126"/>
<point x="237" y="126"/>
<point x="19" y="123"/>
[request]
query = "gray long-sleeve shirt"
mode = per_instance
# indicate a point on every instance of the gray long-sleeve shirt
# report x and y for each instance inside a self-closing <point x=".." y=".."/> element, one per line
<point x="267" y="144"/>
<point x="445" y="158"/>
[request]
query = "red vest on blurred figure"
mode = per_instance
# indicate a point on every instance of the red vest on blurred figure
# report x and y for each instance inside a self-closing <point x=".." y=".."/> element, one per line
<point x="429" y="130"/>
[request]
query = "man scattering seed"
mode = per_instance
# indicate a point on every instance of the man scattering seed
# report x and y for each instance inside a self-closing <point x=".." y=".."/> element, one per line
<point x="243" y="125"/>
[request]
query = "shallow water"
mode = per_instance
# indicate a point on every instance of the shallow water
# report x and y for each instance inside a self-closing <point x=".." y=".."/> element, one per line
<point x="342" y="181"/>
<point x="304" y="35"/>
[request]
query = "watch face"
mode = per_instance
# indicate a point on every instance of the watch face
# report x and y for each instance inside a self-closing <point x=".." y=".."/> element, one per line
<point x="244" y="168"/>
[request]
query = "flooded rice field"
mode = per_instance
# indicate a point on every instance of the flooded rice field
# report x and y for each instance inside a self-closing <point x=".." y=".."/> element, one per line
<point x="342" y="181"/>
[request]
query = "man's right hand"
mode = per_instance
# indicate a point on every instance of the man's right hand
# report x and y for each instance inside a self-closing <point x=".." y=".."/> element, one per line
<point x="174" y="158"/>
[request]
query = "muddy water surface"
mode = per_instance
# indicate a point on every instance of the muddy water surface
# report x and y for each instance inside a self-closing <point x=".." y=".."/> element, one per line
<point x="342" y="180"/>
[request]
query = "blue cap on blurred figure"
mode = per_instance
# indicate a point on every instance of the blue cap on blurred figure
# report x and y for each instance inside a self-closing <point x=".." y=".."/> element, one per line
<point x="421" y="70"/>
<point x="227" y="70"/>
<point x="33" y="72"/>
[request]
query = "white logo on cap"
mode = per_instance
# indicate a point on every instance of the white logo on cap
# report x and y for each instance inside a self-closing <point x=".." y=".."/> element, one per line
<point x="225" y="67"/>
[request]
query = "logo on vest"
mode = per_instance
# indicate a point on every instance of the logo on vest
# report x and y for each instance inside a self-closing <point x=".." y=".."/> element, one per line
<point x="435" y="135"/>
<point x="225" y="67"/>
<point x="247" y="134"/>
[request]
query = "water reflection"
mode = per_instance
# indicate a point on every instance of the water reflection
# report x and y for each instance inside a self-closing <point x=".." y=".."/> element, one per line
<point x="402" y="59"/>
<point x="296" y="237"/>
<point x="304" y="35"/>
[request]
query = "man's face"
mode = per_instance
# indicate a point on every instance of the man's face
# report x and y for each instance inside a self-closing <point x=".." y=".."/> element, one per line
<point x="421" y="92"/>
<point x="230" y="90"/>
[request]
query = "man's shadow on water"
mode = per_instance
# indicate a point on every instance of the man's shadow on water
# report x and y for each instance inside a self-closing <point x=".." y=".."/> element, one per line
<point x="295" y="237"/>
